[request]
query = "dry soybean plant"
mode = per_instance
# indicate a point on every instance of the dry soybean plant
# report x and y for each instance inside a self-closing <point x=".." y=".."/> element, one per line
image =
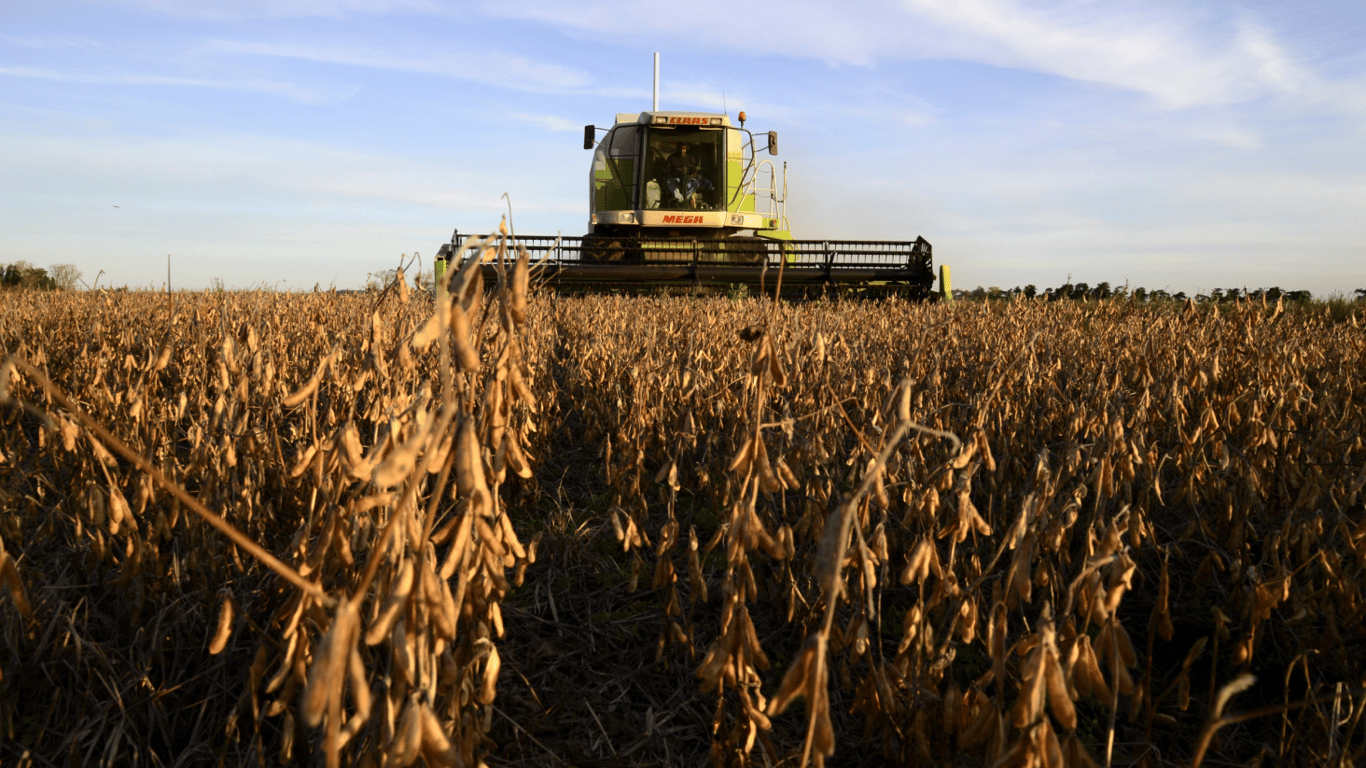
<point x="1010" y="533"/>
<point x="1104" y="448"/>
<point x="383" y="646"/>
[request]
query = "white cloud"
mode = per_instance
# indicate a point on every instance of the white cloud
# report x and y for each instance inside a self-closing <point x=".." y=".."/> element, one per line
<point x="915" y="118"/>
<point x="226" y="10"/>
<point x="55" y="43"/>
<point x="254" y="208"/>
<point x="681" y="95"/>
<point x="193" y="171"/>
<point x="803" y="28"/>
<point x="548" y="122"/>
<point x="1176" y="55"/>
<point x="1164" y="55"/>
<point x="500" y="69"/>
<point x="1237" y="138"/>
<point x="262" y="86"/>
<point x="1179" y="54"/>
<point x="493" y="67"/>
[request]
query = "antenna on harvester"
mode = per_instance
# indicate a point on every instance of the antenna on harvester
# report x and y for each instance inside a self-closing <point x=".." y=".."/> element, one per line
<point x="655" y="107"/>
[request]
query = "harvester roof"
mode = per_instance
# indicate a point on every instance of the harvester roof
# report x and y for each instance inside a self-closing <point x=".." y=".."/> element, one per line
<point x="675" y="118"/>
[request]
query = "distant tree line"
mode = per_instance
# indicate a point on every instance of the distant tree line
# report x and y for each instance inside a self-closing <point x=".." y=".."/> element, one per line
<point x="23" y="276"/>
<point x="1078" y="291"/>
<point x="423" y="280"/>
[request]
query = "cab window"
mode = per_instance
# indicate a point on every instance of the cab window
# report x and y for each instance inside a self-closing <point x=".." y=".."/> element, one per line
<point x="683" y="169"/>
<point x="614" y="172"/>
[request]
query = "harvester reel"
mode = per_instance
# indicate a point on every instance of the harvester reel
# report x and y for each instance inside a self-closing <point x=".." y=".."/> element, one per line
<point x="603" y="250"/>
<point x="745" y="250"/>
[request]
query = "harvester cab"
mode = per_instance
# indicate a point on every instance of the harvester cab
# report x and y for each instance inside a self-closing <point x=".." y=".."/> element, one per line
<point x="684" y="175"/>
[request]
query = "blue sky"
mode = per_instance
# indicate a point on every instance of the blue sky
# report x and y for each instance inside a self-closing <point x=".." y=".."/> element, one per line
<point x="1173" y="144"/>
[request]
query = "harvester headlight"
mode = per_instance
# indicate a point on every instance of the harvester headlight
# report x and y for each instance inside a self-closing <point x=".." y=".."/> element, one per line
<point x="716" y="121"/>
<point x="661" y="119"/>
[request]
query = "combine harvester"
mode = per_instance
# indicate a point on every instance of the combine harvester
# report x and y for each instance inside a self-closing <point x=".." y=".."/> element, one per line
<point x="682" y="201"/>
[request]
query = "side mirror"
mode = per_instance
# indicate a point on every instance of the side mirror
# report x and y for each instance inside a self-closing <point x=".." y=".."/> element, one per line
<point x="588" y="137"/>
<point x="773" y="142"/>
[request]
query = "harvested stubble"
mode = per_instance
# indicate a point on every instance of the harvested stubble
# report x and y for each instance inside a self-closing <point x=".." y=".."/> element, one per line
<point x="1007" y="533"/>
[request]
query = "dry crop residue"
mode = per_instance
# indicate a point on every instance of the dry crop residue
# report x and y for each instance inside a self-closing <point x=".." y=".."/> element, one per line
<point x="1021" y="533"/>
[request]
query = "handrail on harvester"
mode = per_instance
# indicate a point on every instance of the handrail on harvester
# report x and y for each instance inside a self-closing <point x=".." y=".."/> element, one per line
<point x="777" y="204"/>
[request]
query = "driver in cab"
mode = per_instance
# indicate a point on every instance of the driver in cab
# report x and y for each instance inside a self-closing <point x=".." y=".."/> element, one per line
<point x="682" y="175"/>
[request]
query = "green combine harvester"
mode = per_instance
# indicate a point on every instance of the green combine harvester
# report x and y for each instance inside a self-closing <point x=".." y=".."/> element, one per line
<point x="684" y="201"/>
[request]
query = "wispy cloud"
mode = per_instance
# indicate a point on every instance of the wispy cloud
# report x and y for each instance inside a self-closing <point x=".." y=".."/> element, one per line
<point x="801" y="28"/>
<point x="55" y="43"/>
<point x="1179" y="56"/>
<point x="1237" y="138"/>
<point x="226" y="171"/>
<point x="712" y="96"/>
<point x="228" y="10"/>
<point x="289" y="90"/>
<point x="1163" y="54"/>
<point x="492" y="67"/>
<point x="548" y="122"/>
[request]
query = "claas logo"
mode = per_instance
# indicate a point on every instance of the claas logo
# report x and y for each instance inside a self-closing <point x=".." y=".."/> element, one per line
<point x="682" y="219"/>
<point x="688" y="121"/>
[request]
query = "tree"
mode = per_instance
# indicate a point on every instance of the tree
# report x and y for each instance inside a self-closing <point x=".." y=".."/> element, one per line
<point x="65" y="276"/>
<point x="24" y="275"/>
<point x="378" y="281"/>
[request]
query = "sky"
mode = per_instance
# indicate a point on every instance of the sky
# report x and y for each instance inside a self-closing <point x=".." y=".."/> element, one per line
<point x="1170" y="144"/>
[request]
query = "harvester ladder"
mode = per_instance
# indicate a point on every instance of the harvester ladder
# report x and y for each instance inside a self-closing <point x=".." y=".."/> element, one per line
<point x="777" y="204"/>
